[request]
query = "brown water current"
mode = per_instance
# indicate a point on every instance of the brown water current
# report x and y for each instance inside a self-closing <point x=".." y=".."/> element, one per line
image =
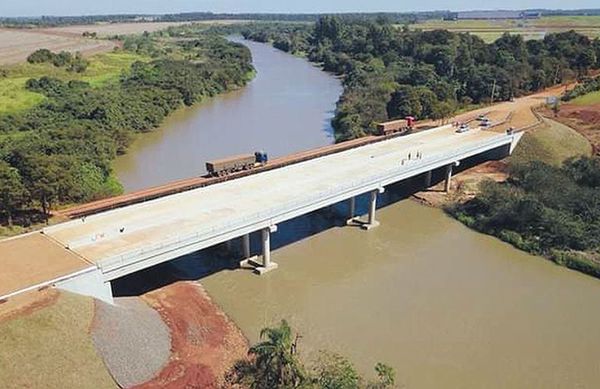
<point x="286" y="108"/>
<point x="445" y="306"/>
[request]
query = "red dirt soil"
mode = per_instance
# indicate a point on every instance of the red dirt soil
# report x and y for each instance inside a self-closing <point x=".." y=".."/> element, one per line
<point x="204" y="342"/>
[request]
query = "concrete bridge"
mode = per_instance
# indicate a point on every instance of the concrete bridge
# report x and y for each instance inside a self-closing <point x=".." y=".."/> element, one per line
<point x="116" y="243"/>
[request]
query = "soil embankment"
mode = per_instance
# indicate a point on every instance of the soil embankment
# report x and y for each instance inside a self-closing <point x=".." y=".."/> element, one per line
<point x="46" y="343"/>
<point x="205" y="343"/>
<point x="585" y="119"/>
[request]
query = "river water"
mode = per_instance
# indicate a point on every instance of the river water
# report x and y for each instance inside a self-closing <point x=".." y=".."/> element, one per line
<point x="445" y="306"/>
<point x="286" y="108"/>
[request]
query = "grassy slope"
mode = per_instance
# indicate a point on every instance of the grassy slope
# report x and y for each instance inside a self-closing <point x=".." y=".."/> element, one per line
<point x="590" y="98"/>
<point x="551" y="143"/>
<point x="103" y="69"/>
<point x="51" y="348"/>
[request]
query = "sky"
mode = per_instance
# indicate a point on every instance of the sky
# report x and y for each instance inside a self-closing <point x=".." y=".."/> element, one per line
<point x="10" y="8"/>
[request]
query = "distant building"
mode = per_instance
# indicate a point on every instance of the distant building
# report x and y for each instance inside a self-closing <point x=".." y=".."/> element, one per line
<point x="489" y="15"/>
<point x="531" y="14"/>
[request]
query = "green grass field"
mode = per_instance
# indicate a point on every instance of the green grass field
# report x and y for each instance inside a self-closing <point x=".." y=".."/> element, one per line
<point x="590" y="98"/>
<point x="552" y="143"/>
<point x="52" y="348"/>
<point x="103" y="68"/>
<point x="490" y="30"/>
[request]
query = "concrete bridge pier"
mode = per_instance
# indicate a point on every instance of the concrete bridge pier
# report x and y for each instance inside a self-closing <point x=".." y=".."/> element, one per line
<point x="428" y="179"/>
<point x="448" y="182"/>
<point x="371" y="221"/>
<point x="267" y="265"/>
<point x="351" y="210"/>
<point x="246" y="246"/>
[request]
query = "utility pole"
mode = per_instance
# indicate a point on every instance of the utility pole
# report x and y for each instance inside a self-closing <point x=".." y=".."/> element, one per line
<point x="493" y="92"/>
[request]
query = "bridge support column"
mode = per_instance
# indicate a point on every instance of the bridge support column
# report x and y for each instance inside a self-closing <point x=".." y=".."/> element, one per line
<point x="448" y="182"/>
<point x="428" y="179"/>
<point x="371" y="222"/>
<point x="249" y="261"/>
<point x="267" y="265"/>
<point x="351" y="210"/>
<point x="246" y="246"/>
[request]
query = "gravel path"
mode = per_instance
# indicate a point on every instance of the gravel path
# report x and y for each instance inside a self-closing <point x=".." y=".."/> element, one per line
<point x="132" y="339"/>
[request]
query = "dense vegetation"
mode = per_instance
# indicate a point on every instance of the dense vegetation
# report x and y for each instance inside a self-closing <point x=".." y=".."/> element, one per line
<point x="274" y="364"/>
<point x="74" y="63"/>
<point x="391" y="72"/>
<point x="587" y="86"/>
<point x="544" y="209"/>
<point x="61" y="150"/>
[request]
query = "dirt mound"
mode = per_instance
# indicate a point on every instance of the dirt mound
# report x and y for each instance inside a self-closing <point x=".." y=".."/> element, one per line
<point x="589" y="114"/>
<point x="204" y="342"/>
<point x="585" y="119"/>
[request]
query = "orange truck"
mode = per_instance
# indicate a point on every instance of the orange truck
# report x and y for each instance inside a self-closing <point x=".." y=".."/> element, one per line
<point x="402" y="126"/>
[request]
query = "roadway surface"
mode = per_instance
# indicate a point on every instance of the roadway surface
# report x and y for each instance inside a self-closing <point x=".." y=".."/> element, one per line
<point x="32" y="259"/>
<point x="132" y="228"/>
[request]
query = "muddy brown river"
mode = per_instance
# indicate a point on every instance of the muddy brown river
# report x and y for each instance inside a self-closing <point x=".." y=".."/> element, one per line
<point x="286" y="108"/>
<point x="445" y="306"/>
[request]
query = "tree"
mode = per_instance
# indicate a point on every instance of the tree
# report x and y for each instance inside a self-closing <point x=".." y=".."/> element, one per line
<point x="332" y="371"/>
<point x="45" y="178"/>
<point x="13" y="194"/>
<point x="275" y="363"/>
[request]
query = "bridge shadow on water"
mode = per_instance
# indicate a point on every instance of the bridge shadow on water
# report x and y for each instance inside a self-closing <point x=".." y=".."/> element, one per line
<point x="226" y="257"/>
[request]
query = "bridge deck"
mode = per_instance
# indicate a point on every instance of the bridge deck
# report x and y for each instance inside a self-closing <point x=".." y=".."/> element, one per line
<point x="99" y="236"/>
<point x="32" y="259"/>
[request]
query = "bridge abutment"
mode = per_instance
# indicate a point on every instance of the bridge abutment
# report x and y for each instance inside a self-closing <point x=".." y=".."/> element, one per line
<point x="89" y="284"/>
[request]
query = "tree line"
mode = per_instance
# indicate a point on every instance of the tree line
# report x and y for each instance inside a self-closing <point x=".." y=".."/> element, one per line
<point x="390" y="72"/>
<point x="61" y="150"/>
<point x="545" y="210"/>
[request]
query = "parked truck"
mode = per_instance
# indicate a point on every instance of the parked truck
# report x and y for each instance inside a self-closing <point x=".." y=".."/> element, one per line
<point x="403" y="126"/>
<point x="228" y="165"/>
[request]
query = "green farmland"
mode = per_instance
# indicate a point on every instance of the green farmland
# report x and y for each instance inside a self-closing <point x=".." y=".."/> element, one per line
<point x="490" y="30"/>
<point x="103" y="68"/>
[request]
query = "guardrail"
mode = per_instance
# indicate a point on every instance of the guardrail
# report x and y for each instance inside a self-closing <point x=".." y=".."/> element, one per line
<point x="370" y="183"/>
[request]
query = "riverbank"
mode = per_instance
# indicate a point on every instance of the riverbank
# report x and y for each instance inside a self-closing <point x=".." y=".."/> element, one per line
<point x="89" y="119"/>
<point x="205" y="343"/>
<point x="72" y="344"/>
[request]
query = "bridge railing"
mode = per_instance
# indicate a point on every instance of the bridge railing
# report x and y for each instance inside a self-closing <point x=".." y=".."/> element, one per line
<point x="369" y="183"/>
